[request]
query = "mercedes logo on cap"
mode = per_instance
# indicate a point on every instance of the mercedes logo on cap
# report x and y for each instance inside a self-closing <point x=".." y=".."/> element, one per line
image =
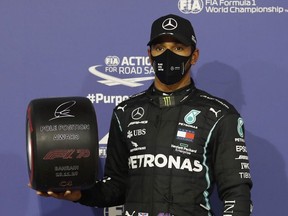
<point x="169" y="24"/>
<point x="137" y="113"/>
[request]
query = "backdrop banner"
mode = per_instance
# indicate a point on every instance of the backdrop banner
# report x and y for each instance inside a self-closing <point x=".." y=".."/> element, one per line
<point x="97" y="50"/>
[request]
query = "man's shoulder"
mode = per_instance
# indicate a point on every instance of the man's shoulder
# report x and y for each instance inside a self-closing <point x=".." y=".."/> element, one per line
<point x="207" y="99"/>
<point x="132" y="100"/>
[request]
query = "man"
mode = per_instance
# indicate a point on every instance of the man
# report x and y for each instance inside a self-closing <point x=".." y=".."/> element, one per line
<point x="169" y="145"/>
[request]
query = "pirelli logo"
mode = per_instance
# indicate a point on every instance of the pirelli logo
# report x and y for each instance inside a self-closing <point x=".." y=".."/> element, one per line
<point x="167" y="101"/>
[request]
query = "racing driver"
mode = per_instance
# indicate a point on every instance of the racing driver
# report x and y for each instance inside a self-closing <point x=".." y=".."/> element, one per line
<point x="170" y="144"/>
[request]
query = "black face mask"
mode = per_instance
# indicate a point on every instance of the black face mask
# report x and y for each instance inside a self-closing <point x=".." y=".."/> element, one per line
<point x="170" y="67"/>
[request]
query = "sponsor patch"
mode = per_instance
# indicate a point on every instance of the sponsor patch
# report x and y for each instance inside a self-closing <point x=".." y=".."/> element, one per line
<point x="186" y="135"/>
<point x="190" y="118"/>
<point x="240" y="128"/>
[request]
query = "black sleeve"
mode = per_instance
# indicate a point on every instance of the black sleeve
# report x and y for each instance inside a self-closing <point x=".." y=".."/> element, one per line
<point x="231" y="167"/>
<point x="110" y="191"/>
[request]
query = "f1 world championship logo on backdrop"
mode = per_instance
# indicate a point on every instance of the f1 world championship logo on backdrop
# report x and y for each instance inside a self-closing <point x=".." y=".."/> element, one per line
<point x="134" y="66"/>
<point x="229" y="6"/>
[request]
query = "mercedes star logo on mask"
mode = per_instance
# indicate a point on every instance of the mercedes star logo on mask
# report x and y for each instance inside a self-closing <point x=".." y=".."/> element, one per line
<point x="169" y="24"/>
<point x="137" y="113"/>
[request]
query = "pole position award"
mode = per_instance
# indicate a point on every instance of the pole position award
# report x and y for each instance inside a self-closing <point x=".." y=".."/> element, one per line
<point x="61" y="143"/>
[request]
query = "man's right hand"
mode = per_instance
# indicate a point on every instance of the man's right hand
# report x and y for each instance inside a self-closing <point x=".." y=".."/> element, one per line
<point x="67" y="195"/>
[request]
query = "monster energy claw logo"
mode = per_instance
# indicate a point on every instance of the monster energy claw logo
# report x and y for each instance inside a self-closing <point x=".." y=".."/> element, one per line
<point x="190" y="118"/>
<point x="239" y="127"/>
<point x="190" y="6"/>
<point x="167" y="101"/>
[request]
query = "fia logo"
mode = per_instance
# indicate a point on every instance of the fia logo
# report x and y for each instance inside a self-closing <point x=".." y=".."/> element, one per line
<point x="190" y="6"/>
<point x="112" y="61"/>
<point x="190" y="118"/>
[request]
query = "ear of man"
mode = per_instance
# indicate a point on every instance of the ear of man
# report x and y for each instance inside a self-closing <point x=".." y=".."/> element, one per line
<point x="195" y="56"/>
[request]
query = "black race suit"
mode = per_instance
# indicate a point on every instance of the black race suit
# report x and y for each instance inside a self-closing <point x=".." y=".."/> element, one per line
<point x="165" y="152"/>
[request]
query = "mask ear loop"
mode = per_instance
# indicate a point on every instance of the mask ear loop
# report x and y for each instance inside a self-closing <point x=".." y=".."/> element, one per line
<point x="189" y="60"/>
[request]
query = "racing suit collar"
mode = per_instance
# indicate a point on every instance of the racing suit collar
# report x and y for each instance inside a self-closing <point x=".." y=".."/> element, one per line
<point x="170" y="99"/>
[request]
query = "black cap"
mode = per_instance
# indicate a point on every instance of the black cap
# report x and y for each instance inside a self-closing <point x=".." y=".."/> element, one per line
<point x="176" y="26"/>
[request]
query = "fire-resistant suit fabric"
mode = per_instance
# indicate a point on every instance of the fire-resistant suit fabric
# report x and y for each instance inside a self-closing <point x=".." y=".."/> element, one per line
<point x="166" y="151"/>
